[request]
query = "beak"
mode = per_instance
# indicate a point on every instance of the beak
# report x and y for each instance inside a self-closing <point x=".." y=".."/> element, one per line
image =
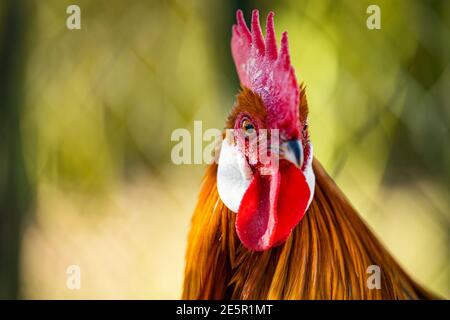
<point x="292" y="151"/>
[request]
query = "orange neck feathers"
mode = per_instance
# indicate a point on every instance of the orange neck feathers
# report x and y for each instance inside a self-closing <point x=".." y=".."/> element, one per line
<point x="326" y="256"/>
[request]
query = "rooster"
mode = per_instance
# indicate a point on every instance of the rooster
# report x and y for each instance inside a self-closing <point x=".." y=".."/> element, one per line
<point x="261" y="231"/>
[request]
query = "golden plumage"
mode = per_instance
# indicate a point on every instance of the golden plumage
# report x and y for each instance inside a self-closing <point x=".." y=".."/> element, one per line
<point x="326" y="256"/>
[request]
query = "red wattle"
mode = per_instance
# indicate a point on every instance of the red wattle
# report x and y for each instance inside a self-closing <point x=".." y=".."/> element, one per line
<point x="271" y="207"/>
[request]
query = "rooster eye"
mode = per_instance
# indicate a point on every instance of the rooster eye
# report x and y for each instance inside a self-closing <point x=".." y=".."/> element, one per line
<point x="248" y="127"/>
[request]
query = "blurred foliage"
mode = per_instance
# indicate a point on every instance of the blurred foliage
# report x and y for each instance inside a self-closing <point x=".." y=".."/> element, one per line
<point x="14" y="188"/>
<point x="102" y="102"/>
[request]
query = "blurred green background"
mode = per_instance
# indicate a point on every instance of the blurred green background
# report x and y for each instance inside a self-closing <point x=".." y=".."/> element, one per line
<point x="86" y="117"/>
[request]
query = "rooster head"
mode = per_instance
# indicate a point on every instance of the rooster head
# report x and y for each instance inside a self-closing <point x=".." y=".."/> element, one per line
<point x="269" y="197"/>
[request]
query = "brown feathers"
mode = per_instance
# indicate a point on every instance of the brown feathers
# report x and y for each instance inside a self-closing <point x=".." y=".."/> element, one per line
<point x="303" y="115"/>
<point x="326" y="256"/>
<point x="247" y="102"/>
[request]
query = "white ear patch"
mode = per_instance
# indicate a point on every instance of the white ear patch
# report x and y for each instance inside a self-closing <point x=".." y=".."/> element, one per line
<point x="309" y="174"/>
<point x="233" y="176"/>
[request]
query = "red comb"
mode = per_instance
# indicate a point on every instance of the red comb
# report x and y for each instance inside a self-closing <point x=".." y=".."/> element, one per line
<point x="264" y="69"/>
